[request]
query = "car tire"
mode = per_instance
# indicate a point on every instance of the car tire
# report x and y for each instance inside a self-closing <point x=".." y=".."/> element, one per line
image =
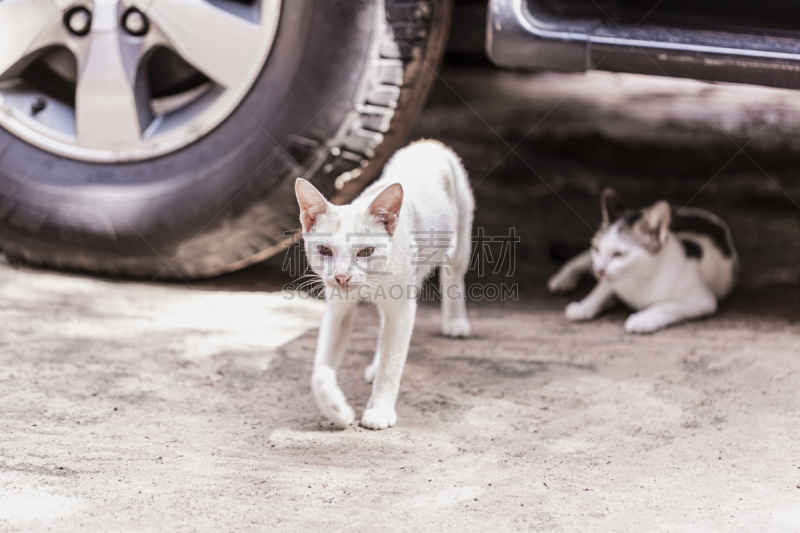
<point x="338" y="94"/>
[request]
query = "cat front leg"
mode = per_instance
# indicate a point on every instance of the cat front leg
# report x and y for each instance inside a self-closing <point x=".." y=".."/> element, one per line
<point x="372" y="368"/>
<point x="337" y="323"/>
<point x="394" y="342"/>
<point x="568" y="276"/>
<point x="661" y="315"/>
<point x="601" y="298"/>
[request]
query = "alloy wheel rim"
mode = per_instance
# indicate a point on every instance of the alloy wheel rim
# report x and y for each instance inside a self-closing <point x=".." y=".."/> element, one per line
<point x="85" y="80"/>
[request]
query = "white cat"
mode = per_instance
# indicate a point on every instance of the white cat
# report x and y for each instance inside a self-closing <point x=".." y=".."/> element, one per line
<point x="380" y="249"/>
<point x="669" y="269"/>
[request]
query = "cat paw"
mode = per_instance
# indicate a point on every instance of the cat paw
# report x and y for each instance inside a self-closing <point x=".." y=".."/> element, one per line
<point x="342" y="415"/>
<point x="369" y="373"/>
<point x="456" y="327"/>
<point x="330" y="398"/>
<point x="559" y="283"/>
<point x="378" y="418"/>
<point x="576" y="311"/>
<point x="643" y="322"/>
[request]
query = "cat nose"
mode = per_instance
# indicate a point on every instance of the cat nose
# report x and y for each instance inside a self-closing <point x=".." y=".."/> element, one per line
<point x="599" y="272"/>
<point x="342" y="280"/>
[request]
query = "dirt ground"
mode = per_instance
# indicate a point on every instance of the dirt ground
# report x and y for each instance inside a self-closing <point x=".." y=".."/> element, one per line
<point x="151" y="406"/>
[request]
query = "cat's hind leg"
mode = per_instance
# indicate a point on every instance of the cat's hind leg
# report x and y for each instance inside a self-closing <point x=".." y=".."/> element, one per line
<point x="337" y="323"/>
<point x="569" y="275"/>
<point x="601" y="298"/>
<point x="455" y="322"/>
<point x="369" y="372"/>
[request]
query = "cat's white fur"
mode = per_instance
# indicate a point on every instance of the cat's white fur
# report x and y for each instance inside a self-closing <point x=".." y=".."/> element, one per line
<point x="655" y="277"/>
<point x="423" y="187"/>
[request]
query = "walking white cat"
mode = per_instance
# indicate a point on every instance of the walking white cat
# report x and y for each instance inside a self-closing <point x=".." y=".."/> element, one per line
<point x="669" y="269"/>
<point x="374" y="249"/>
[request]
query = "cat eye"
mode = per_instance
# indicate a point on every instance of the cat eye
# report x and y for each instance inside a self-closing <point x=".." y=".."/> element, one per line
<point x="618" y="254"/>
<point x="366" y="252"/>
<point x="324" y="250"/>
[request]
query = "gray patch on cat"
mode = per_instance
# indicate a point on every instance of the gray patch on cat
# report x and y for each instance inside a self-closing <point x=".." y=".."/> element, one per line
<point x="702" y="223"/>
<point x="691" y="249"/>
<point x="630" y="218"/>
<point x="628" y="224"/>
<point x="697" y="221"/>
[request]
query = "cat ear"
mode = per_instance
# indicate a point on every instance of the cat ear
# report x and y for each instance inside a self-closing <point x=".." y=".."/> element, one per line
<point x="386" y="206"/>
<point x="312" y="203"/>
<point x="656" y="219"/>
<point x="612" y="205"/>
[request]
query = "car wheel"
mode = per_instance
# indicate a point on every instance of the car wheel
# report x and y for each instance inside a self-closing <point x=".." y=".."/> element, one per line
<point x="161" y="138"/>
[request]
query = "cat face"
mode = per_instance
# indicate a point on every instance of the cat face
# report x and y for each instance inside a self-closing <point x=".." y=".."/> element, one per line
<point x="615" y="255"/>
<point x="629" y="241"/>
<point x="348" y="248"/>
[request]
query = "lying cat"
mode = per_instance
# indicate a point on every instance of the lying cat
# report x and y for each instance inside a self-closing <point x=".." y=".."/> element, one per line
<point x="378" y="249"/>
<point x="669" y="269"/>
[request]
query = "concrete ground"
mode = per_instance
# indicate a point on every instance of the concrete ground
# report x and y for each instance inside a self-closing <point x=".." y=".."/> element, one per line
<point x="136" y="406"/>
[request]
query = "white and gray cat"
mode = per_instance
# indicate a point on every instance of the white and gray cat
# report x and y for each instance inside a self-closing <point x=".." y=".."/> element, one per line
<point x="378" y="249"/>
<point x="668" y="268"/>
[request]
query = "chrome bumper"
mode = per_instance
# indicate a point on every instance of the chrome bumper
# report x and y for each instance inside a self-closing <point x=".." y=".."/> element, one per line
<point x="518" y="36"/>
